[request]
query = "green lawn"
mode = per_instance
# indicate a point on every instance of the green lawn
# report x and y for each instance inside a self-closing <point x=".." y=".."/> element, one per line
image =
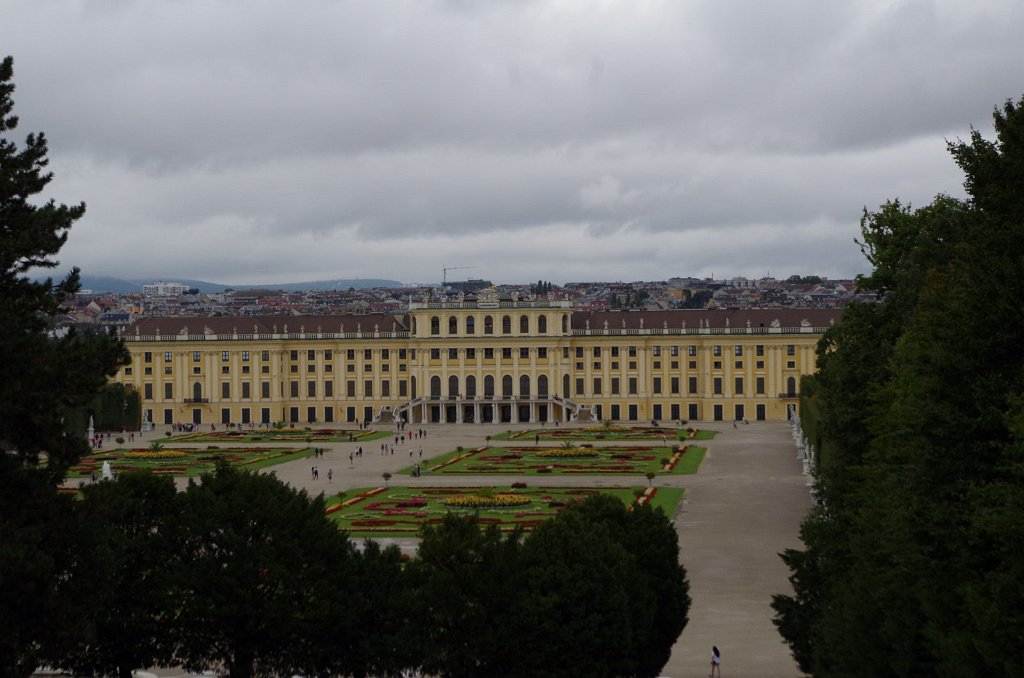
<point x="527" y="460"/>
<point x="185" y="461"/>
<point x="612" y="433"/>
<point x="279" y="435"/>
<point x="400" y="511"/>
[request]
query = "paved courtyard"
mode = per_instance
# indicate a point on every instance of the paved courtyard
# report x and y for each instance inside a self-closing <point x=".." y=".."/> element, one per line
<point x="741" y="509"/>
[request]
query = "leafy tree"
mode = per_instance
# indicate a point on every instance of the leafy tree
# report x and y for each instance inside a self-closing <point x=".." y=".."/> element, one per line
<point x="43" y="380"/>
<point x="136" y="522"/>
<point x="912" y="566"/>
<point x="264" y="574"/>
<point x="465" y="581"/>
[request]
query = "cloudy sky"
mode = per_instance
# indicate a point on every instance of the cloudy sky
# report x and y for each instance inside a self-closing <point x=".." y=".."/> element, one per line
<point x="264" y="141"/>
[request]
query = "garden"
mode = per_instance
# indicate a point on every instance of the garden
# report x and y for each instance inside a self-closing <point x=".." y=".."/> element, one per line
<point x="571" y="458"/>
<point x="287" y="435"/>
<point x="401" y="511"/>
<point x="184" y="461"/>
<point x="608" y="431"/>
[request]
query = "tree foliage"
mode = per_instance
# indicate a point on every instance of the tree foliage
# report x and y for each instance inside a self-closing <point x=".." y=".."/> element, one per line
<point x="43" y="380"/>
<point x="913" y="565"/>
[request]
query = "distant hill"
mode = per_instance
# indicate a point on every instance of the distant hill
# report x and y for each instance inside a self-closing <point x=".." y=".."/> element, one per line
<point x="127" y="286"/>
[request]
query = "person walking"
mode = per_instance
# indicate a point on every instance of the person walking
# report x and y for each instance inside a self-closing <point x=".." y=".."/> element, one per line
<point x="716" y="661"/>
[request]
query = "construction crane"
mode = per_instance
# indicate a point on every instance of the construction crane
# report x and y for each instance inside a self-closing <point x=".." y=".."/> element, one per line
<point x="445" y="269"/>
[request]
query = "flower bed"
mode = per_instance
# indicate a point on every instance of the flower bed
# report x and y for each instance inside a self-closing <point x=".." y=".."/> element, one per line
<point x="485" y="501"/>
<point x="567" y="452"/>
<point x="184" y="461"/>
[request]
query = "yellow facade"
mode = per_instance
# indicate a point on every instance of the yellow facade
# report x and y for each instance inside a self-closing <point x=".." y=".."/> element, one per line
<point x="483" y="360"/>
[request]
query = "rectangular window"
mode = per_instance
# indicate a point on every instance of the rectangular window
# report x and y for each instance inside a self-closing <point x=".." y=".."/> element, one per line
<point x="656" y="351"/>
<point x="739" y="386"/>
<point x="739" y="364"/>
<point x="264" y="389"/>
<point x="328" y="354"/>
<point x="506" y="353"/>
<point x="615" y="365"/>
<point x="759" y="385"/>
<point x="147" y="391"/>
<point x="435" y="354"/>
<point x="692" y="384"/>
<point x="565" y="351"/>
<point x="691" y="351"/>
<point x="294" y="369"/>
<point x="790" y="349"/>
<point x="632" y="351"/>
<point x="225" y="390"/>
<point x="224" y="356"/>
<point x="147" y="357"/>
<point x="367" y="354"/>
<point x="367" y="367"/>
<point x="264" y="356"/>
<point x="674" y="385"/>
<point x="330" y="368"/>
<point x="401" y="354"/>
<point x="717" y="386"/>
<point x="350" y="354"/>
<point x="656" y="385"/>
<point x="453" y="354"/>
<point x="615" y="412"/>
<point x="294" y="355"/>
<point x="195" y="356"/>
<point x="488" y="354"/>
<point x="579" y="386"/>
<point x="542" y="353"/>
<point x="245" y="356"/>
<point x="328" y="389"/>
<point x="470" y="354"/>
<point x="168" y="391"/>
<point x="310" y="368"/>
<point x="759" y="364"/>
<point x="128" y="371"/>
<point x="167" y="356"/>
<point x="657" y="365"/>
<point x="615" y="351"/>
<point x="385" y="389"/>
<point x="368" y="388"/>
<point x="632" y="386"/>
<point x="310" y="355"/>
<point x="717" y="365"/>
<point x="225" y="415"/>
<point x="597" y="385"/>
<point x="632" y="364"/>
<point x="579" y="351"/>
<point x="790" y="364"/>
<point x="310" y="414"/>
<point x="597" y="365"/>
<point x="311" y="389"/>
<point x="350" y="388"/>
<point x="716" y="350"/>
<point x="350" y="413"/>
<point x="524" y="353"/>
<point x="738" y="350"/>
<point x="246" y="389"/>
<point x="615" y="386"/>
<point x="759" y="350"/>
<point x="385" y="354"/>
<point x="597" y="351"/>
<point x="673" y="351"/>
<point x="403" y="388"/>
<point x="295" y="389"/>
<point x="328" y="414"/>
<point x="384" y="368"/>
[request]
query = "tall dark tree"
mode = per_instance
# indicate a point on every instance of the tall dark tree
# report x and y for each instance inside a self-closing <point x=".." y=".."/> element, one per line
<point x="913" y="565"/>
<point x="42" y="380"/>
<point x="136" y="526"/>
<point x="263" y="575"/>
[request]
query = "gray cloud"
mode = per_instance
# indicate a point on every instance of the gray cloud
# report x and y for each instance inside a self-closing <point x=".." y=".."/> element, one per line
<point x="235" y="141"/>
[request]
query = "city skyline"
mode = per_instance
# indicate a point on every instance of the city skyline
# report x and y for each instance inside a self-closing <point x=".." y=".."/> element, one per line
<point x="536" y="140"/>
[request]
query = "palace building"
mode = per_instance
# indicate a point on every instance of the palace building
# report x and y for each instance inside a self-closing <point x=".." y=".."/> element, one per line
<point x="481" y="359"/>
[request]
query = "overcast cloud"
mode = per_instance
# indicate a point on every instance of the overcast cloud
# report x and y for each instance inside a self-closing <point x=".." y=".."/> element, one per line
<point x="266" y="141"/>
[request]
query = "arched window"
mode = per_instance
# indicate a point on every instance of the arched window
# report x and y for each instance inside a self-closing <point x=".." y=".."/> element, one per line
<point x="435" y="387"/>
<point x="565" y="324"/>
<point x="435" y="325"/>
<point x="453" y="386"/>
<point x="524" y="325"/>
<point x="489" y="386"/>
<point x="506" y="325"/>
<point x="506" y="386"/>
<point x="542" y="325"/>
<point x="471" y="386"/>
<point x="542" y="386"/>
<point x="488" y="325"/>
<point x="524" y="386"/>
<point x="790" y="386"/>
<point x="453" y="325"/>
<point x="197" y="391"/>
<point x="565" y="385"/>
<point x="470" y="325"/>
